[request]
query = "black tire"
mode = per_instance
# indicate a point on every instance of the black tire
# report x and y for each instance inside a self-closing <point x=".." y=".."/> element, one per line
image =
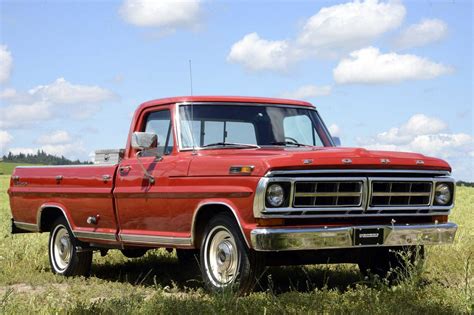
<point x="223" y="246"/>
<point x="391" y="263"/>
<point x="134" y="252"/>
<point x="64" y="258"/>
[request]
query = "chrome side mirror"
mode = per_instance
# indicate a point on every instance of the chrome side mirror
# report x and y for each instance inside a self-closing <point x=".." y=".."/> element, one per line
<point x="337" y="141"/>
<point x="144" y="140"/>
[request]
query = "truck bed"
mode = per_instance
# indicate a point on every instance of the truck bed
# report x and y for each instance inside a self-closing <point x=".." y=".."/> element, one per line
<point x="82" y="189"/>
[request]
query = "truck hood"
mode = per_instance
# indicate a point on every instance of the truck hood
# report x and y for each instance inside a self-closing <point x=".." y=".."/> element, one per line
<point x="217" y="162"/>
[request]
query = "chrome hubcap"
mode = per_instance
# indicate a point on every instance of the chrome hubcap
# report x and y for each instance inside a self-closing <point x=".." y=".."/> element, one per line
<point x="62" y="248"/>
<point x="222" y="258"/>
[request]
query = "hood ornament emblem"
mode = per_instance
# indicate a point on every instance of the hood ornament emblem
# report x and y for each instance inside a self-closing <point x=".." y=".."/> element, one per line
<point x="346" y="161"/>
<point x="384" y="161"/>
<point x="308" y="161"/>
<point x="420" y="162"/>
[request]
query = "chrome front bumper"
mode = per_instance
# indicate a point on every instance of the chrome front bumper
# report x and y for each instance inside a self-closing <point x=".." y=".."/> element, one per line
<point x="281" y="239"/>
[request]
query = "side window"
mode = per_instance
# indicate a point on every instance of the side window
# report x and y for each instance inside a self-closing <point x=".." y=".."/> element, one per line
<point x="160" y="124"/>
<point x="300" y="128"/>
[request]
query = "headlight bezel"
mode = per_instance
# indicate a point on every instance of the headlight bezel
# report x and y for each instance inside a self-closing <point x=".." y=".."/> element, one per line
<point x="450" y="187"/>
<point x="285" y="188"/>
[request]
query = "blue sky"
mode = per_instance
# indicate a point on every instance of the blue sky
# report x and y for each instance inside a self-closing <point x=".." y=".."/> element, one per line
<point x="384" y="74"/>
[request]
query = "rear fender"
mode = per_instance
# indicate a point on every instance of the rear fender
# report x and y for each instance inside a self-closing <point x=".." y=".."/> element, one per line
<point x="43" y="210"/>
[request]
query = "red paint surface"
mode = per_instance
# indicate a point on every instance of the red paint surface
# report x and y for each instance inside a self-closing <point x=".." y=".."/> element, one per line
<point x="129" y="204"/>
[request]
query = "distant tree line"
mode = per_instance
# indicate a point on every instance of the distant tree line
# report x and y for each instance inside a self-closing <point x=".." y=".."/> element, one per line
<point x="40" y="157"/>
<point x="463" y="183"/>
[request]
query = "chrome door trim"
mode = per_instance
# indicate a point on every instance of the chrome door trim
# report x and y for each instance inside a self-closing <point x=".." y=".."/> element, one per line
<point x="96" y="235"/>
<point x="155" y="240"/>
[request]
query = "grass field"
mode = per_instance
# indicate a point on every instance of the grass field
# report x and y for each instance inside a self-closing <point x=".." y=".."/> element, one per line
<point x="156" y="284"/>
<point x="7" y="168"/>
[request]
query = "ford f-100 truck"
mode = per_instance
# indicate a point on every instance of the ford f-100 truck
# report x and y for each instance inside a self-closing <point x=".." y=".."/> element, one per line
<point x="240" y="183"/>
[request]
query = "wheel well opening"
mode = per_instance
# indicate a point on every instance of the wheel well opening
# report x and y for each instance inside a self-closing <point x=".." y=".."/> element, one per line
<point x="205" y="214"/>
<point x="48" y="216"/>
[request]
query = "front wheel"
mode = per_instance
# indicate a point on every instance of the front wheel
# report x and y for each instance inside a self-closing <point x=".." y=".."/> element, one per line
<point x="226" y="262"/>
<point x="63" y="255"/>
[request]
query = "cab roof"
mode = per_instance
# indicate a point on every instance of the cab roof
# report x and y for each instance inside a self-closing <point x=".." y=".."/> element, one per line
<point x="224" y="99"/>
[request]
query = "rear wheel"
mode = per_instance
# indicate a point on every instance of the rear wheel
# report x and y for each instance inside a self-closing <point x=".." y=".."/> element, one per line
<point x="391" y="262"/>
<point x="226" y="262"/>
<point x="64" y="257"/>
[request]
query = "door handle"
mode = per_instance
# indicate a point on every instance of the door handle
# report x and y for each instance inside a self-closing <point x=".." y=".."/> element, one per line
<point x="125" y="169"/>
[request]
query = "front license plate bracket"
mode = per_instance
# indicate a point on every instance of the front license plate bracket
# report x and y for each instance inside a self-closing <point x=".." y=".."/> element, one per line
<point x="368" y="236"/>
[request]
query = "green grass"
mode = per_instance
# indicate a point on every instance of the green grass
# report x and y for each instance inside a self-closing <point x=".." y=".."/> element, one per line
<point x="156" y="284"/>
<point x="6" y="168"/>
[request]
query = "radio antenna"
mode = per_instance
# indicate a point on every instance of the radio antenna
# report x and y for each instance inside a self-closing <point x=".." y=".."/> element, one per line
<point x="192" y="107"/>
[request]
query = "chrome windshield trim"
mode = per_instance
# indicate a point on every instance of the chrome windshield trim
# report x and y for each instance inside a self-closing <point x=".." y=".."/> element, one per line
<point x="187" y="103"/>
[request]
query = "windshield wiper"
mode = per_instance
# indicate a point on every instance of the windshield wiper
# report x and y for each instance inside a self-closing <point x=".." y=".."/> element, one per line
<point x="230" y="144"/>
<point x="285" y="143"/>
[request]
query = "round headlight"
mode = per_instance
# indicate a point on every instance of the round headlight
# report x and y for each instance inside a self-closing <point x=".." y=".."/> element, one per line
<point x="275" y="195"/>
<point x="442" y="194"/>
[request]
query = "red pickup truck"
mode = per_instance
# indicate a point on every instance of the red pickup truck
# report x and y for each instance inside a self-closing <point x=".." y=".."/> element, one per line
<point x="240" y="183"/>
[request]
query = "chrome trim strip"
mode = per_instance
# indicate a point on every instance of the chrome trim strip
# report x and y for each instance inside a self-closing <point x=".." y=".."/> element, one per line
<point x="26" y="226"/>
<point x="40" y="212"/>
<point x="351" y="171"/>
<point x="281" y="239"/>
<point x="96" y="235"/>
<point x="156" y="240"/>
<point x="67" y="166"/>
<point x="200" y="206"/>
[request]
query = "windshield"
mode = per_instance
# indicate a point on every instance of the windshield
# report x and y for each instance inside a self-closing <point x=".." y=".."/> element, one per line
<point x="247" y="125"/>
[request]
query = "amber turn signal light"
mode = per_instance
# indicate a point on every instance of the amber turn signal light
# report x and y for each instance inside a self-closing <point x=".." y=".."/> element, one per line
<point x="241" y="170"/>
<point x="440" y="218"/>
<point x="270" y="222"/>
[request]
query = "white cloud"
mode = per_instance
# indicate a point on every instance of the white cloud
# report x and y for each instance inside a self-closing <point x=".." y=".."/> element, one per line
<point x="72" y="150"/>
<point x="430" y="136"/>
<point x="168" y="14"/>
<point x="308" y="91"/>
<point x="369" y="66"/>
<point x="17" y="151"/>
<point x="335" y="130"/>
<point x="7" y="93"/>
<point x="351" y="25"/>
<point x="5" y="139"/>
<point x="257" y="54"/>
<point x="21" y="115"/>
<point x="45" y="102"/>
<point x="6" y="63"/>
<point x="64" y="92"/>
<point x="55" y="137"/>
<point x="331" y="32"/>
<point x="423" y="33"/>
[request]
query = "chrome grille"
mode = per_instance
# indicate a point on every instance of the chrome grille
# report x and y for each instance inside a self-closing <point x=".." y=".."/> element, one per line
<point x="400" y="193"/>
<point x="327" y="194"/>
<point x="359" y="193"/>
